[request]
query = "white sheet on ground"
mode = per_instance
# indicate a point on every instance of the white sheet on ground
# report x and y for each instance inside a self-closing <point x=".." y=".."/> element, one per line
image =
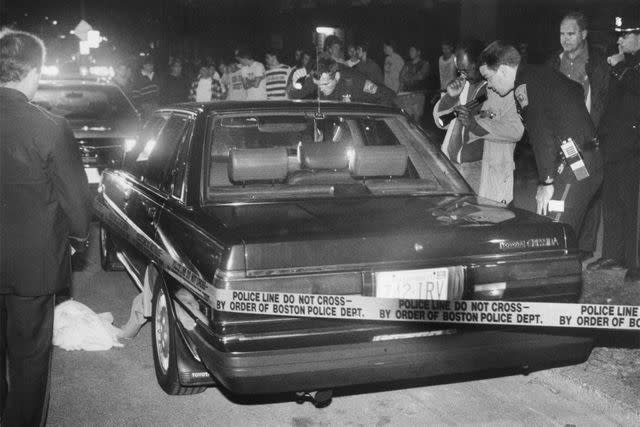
<point x="77" y="327"/>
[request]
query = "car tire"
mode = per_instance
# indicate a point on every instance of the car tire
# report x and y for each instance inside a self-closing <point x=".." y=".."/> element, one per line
<point x="163" y="338"/>
<point x="108" y="258"/>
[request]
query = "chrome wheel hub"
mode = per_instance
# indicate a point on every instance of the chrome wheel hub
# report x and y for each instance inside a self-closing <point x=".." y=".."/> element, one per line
<point x="103" y="242"/>
<point x="162" y="332"/>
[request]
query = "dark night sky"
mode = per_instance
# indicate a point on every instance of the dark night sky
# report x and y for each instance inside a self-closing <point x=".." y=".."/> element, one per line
<point x="213" y="27"/>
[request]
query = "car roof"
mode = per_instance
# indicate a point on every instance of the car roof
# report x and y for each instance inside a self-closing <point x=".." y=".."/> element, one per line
<point x="292" y="105"/>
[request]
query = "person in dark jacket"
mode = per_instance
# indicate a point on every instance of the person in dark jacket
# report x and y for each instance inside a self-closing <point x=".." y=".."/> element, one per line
<point x="175" y="87"/>
<point x="146" y="89"/>
<point x="585" y="64"/>
<point x="367" y="66"/>
<point x="553" y="110"/>
<point x="342" y="84"/>
<point x="44" y="203"/>
<point x="620" y="135"/>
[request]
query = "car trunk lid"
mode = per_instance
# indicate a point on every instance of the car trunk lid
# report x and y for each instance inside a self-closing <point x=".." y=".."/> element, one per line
<point x="333" y="234"/>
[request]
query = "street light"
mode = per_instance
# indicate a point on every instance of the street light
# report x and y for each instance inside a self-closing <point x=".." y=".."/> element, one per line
<point x="327" y="31"/>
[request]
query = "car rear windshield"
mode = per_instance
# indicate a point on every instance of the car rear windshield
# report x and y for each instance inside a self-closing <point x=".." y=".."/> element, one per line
<point x="82" y="102"/>
<point x="266" y="156"/>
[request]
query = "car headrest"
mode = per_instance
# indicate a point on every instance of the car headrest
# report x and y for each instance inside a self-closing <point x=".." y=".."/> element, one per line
<point x="324" y="155"/>
<point x="389" y="160"/>
<point x="258" y="164"/>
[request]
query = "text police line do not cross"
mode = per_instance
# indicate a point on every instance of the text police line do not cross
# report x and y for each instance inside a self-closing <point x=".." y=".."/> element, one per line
<point x="359" y="307"/>
<point x="460" y="311"/>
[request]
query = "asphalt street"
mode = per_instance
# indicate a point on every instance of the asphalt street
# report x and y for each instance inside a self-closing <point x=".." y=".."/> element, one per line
<point x="118" y="387"/>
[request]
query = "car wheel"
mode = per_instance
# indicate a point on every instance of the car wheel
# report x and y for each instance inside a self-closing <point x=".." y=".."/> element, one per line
<point x="163" y="337"/>
<point x="108" y="258"/>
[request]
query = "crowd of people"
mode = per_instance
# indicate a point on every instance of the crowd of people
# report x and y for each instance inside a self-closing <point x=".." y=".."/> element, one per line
<point x="246" y="78"/>
<point x="580" y="112"/>
<point x="538" y="104"/>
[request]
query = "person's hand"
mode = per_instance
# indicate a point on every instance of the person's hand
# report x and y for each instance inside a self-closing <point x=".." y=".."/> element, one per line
<point x="464" y="116"/>
<point x="255" y="82"/>
<point x="454" y="88"/>
<point x="543" y="196"/>
<point x="613" y="60"/>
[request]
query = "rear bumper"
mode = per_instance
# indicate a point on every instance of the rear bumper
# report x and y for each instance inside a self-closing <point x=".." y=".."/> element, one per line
<point x="313" y="368"/>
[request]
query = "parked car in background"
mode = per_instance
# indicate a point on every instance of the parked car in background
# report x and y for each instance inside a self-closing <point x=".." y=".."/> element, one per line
<point x="324" y="199"/>
<point x="104" y="121"/>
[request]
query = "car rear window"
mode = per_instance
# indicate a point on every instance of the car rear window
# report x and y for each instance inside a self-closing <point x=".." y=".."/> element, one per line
<point x="265" y="156"/>
<point x="80" y="102"/>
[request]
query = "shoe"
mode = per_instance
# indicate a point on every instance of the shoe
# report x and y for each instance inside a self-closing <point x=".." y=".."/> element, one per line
<point x="604" y="264"/>
<point x="632" y="276"/>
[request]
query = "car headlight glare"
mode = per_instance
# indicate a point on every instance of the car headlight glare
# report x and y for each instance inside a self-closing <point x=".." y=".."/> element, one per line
<point x="129" y="144"/>
<point x="50" y="70"/>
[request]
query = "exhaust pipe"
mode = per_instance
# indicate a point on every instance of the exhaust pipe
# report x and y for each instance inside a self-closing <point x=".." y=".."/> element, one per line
<point x="319" y="399"/>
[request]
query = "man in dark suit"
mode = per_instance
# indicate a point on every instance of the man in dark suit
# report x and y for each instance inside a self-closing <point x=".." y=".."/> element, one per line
<point x="553" y="111"/>
<point x="44" y="203"/>
<point x="620" y="135"/>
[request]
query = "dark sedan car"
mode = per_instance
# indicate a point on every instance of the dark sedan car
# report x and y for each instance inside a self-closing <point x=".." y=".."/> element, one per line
<point x="104" y="121"/>
<point x="321" y="199"/>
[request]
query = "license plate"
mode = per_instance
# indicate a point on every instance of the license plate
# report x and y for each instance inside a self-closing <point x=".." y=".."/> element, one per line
<point x="428" y="284"/>
<point x="92" y="175"/>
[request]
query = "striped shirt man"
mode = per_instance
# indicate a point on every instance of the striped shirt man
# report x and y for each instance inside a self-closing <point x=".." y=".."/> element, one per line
<point x="276" y="79"/>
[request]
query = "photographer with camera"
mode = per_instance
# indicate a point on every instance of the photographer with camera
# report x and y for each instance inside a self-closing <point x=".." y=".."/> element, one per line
<point x="482" y="128"/>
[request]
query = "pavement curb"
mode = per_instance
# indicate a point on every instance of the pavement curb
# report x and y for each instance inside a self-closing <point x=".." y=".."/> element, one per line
<point x="570" y="381"/>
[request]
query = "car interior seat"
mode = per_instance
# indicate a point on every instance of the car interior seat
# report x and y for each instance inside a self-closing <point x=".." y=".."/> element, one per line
<point x="322" y="163"/>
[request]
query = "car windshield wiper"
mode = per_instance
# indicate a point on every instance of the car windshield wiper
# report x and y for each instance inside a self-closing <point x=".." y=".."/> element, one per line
<point x="404" y="186"/>
<point x="269" y="192"/>
<point x="263" y="192"/>
<point x="349" y="190"/>
<point x="279" y="191"/>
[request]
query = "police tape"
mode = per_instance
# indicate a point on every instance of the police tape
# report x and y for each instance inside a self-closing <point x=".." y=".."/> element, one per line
<point x="480" y="312"/>
<point x="360" y="307"/>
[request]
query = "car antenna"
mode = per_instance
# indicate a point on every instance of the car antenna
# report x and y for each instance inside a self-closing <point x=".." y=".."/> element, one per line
<point x="319" y="114"/>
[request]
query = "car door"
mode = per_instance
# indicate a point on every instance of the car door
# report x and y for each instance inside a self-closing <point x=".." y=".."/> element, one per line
<point x="127" y="193"/>
<point x="178" y="230"/>
<point x="151" y="166"/>
<point x="166" y="176"/>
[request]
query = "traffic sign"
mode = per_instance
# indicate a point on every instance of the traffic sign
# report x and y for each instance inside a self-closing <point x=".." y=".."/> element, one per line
<point x="82" y="29"/>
